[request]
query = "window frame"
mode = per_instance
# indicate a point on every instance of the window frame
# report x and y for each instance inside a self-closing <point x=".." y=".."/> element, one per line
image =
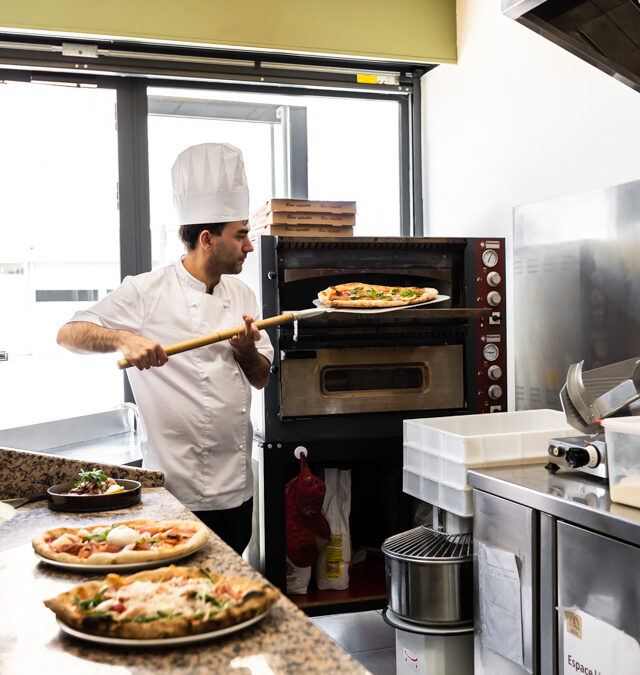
<point x="130" y="69"/>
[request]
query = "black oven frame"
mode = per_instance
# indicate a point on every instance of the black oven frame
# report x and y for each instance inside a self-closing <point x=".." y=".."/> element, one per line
<point x="357" y="439"/>
<point x="448" y="326"/>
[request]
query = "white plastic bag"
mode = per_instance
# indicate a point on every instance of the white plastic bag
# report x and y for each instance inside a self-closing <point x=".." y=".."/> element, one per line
<point x="332" y="566"/>
<point x="297" y="578"/>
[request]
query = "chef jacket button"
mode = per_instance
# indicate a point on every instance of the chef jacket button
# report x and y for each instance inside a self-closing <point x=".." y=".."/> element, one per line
<point x="203" y="375"/>
<point x="227" y="305"/>
<point x="244" y="410"/>
<point x="241" y="447"/>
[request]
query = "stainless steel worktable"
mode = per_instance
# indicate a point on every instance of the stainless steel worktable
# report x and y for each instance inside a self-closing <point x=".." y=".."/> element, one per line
<point x="568" y="495"/>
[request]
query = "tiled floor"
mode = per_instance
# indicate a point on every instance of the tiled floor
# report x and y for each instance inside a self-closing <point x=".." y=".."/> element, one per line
<point x="365" y="636"/>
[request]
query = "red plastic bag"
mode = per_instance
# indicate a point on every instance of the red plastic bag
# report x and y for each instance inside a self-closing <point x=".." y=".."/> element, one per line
<point x="304" y="496"/>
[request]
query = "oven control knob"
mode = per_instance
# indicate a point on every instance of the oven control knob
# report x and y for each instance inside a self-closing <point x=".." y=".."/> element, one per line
<point x="494" y="391"/>
<point x="494" y="279"/>
<point x="494" y="298"/>
<point x="494" y="372"/>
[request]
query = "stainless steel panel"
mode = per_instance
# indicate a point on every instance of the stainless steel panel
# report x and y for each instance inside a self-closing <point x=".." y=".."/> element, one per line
<point x="305" y="392"/>
<point x="587" y="245"/>
<point x="109" y="436"/>
<point x="598" y="575"/>
<point x="567" y="495"/>
<point x="511" y="527"/>
<point x="433" y="593"/>
<point x="548" y="595"/>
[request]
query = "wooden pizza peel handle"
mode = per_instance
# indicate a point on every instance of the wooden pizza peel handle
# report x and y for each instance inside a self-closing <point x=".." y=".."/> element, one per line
<point x="226" y="334"/>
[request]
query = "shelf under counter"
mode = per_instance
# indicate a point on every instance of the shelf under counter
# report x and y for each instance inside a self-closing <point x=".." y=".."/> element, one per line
<point x="367" y="590"/>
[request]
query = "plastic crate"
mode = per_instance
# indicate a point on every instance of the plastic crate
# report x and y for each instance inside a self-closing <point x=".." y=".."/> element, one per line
<point x="486" y="439"/>
<point x="419" y="486"/>
<point x="455" y="499"/>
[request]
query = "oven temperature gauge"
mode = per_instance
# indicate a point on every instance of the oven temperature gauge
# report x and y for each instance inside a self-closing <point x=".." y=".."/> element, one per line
<point x="490" y="258"/>
<point x="490" y="352"/>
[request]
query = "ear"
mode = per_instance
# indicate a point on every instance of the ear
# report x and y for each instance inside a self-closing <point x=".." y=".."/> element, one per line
<point x="206" y="241"/>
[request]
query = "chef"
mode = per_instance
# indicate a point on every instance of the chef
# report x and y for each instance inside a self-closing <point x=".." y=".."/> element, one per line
<point x="194" y="407"/>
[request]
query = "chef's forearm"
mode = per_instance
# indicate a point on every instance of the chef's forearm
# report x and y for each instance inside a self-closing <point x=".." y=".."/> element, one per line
<point x="255" y="366"/>
<point x="85" y="337"/>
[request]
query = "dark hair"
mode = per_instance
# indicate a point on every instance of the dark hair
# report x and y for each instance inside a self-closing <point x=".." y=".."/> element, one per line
<point x="189" y="233"/>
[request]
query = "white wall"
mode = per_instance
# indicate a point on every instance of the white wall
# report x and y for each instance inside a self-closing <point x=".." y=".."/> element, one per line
<point x="518" y="120"/>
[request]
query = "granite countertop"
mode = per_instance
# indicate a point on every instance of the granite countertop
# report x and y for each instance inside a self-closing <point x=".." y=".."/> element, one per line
<point x="285" y="641"/>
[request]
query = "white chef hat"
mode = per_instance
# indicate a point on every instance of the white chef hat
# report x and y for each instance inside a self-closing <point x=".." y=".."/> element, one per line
<point x="209" y="184"/>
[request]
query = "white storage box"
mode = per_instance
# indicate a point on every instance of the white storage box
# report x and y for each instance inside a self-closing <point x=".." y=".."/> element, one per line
<point x="439" y="450"/>
<point x="622" y="437"/>
<point x="494" y="438"/>
<point x="419" y="486"/>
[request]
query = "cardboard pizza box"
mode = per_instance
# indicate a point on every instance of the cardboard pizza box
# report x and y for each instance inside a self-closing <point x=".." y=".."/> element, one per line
<point x="297" y="218"/>
<point x="302" y="231"/>
<point x="304" y="205"/>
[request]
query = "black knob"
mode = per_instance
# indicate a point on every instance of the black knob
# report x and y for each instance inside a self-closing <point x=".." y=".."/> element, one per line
<point x="576" y="457"/>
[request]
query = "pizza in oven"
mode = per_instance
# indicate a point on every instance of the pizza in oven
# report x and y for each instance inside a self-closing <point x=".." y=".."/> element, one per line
<point x="370" y="295"/>
<point x="162" y="603"/>
<point x="130" y="541"/>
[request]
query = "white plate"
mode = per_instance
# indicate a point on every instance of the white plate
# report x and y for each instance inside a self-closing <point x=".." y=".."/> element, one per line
<point x="122" y="567"/>
<point x="155" y="642"/>
<point x="378" y="310"/>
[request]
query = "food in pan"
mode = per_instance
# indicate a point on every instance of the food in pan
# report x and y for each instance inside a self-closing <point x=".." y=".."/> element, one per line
<point x="370" y="295"/>
<point x="121" y="543"/>
<point x="95" y="482"/>
<point x="162" y="603"/>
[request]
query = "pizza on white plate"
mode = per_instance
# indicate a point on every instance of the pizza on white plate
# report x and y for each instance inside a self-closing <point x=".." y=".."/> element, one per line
<point x="162" y="603"/>
<point x="363" y="295"/>
<point x="125" y="542"/>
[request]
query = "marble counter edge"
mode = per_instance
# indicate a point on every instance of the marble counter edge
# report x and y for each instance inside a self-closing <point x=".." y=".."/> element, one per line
<point x="23" y="472"/>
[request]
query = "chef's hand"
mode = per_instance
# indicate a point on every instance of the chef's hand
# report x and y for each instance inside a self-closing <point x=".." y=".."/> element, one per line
<point x="244" y="342"/>
<point x="142" y="352"/>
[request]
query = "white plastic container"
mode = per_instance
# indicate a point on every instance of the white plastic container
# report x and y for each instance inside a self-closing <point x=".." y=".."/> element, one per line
<point x="622" y="436"/>
<point x="494" y="438"/>
<point x="419" y="486"/>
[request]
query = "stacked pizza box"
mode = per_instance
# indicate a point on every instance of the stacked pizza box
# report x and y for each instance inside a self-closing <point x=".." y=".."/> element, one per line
<point x="304" y="218"/>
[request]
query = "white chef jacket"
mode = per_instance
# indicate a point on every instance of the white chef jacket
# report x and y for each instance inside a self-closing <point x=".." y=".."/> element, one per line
<point x="195" y="410"/>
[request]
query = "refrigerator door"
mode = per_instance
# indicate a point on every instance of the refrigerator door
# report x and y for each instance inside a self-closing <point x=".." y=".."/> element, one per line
<point x="594" y="577"/>
<point x="504" y="545"/>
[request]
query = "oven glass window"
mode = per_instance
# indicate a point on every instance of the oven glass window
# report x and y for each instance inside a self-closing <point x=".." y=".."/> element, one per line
<point x="374" y="378"/>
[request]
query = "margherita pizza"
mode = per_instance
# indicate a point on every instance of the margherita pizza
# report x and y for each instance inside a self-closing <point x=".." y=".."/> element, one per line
<point x="126" y="542"/>
<point x="162" y="603"/>
<point x="370" y="295"/>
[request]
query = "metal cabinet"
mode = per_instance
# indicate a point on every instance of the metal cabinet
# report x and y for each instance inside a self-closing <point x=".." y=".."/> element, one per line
<point x="505" y="525"/>
<point x="596" y="574"/>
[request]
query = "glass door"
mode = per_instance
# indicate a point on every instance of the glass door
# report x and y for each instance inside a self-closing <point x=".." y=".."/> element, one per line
<point x="59" y="251"/>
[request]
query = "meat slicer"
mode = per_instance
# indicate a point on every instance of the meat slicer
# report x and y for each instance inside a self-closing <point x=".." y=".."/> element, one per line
<point x="588" y="397"/>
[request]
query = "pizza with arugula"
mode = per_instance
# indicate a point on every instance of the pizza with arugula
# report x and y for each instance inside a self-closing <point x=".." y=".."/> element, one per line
<point x="162" y="603"/>
<point x="371" y="295"/>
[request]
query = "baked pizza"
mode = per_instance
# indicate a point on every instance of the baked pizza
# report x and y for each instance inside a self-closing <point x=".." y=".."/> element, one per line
<point x="130" y="541"/>
<point x="162" y="603"/>
<point x="370" y="295"/>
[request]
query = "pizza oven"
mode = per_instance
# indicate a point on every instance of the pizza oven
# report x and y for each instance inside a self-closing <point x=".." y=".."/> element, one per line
<point x="366" y="373"/>
<point x="341" y="383"/>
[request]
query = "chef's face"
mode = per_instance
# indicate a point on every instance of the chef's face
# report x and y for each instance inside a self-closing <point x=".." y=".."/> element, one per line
<point x="230" y="249"/>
